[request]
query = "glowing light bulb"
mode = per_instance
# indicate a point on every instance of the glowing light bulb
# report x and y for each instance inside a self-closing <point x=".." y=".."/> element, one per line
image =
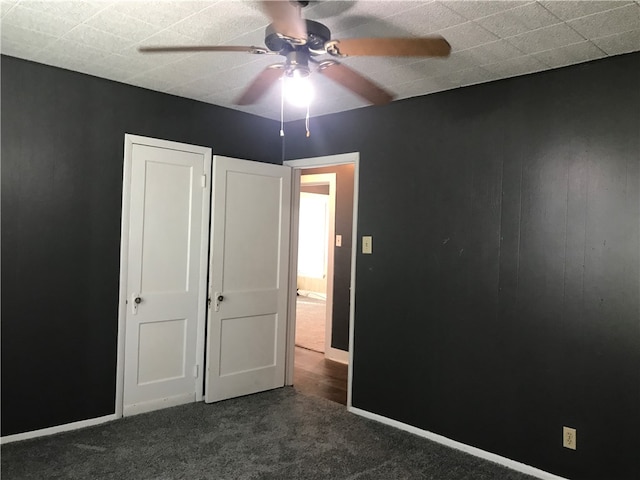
<point x="298" y="90"/>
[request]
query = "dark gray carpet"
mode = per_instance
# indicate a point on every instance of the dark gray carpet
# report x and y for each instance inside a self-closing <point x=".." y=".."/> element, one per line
<point x="280" y="434"/>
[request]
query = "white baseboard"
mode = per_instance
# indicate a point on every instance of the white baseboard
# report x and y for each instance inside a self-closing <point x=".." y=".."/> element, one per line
<point x="57" y="429"/>
<point x="128" y="410"/>
<point x="337" y="355"/>
<point x="492" y="457"/>
<point x="152" y="405"/>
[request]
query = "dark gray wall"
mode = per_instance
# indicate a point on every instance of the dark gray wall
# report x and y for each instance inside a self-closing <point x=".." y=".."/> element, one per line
<point x="501" y="301"/>
<point x="502" y="298"/>
<point x="62" y="159"/>
<point x="341" y="255"/>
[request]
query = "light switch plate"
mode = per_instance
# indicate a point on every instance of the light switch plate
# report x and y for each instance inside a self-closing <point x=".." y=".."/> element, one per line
<point x="338" y="240"/>
<point x="569" y="437"/>
<point x="367" y="247"/>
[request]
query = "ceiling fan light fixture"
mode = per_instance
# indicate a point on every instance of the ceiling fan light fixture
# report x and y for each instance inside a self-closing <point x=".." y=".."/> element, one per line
<point x="298" y="89"/>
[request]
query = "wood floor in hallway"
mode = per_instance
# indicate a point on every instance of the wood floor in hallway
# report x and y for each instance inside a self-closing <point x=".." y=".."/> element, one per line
<point x="315" y="375"/>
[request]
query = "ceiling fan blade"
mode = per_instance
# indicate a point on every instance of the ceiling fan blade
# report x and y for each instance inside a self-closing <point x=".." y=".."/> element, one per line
<point x="435" y="46"/>
<point x="286" y="20"/>
<point x="261" y="84"/>
<point x="355" y="82"/>
<point x="204" y="48"/>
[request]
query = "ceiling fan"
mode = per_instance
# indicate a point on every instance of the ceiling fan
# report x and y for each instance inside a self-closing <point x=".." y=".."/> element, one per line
<point x="300" y="41"/>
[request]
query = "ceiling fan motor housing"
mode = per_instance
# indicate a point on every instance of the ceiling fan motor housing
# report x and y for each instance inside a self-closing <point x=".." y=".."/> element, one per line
<point x="297" y="64"/>
<point x="317" y="36"/>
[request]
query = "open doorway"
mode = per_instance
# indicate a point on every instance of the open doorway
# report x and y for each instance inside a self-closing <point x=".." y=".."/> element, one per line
<point x="324" y="262"/>
<point x="316" y="243"/>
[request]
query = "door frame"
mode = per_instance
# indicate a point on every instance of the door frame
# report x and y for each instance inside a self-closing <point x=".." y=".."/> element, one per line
<point x="129" y="141"/>
<point x="314" y="179"/>
<point x="298" y="166"/>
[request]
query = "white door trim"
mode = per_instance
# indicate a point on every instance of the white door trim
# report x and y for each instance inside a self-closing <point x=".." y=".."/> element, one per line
<point x="129" y="141"/>
<point x="298" y="166"/>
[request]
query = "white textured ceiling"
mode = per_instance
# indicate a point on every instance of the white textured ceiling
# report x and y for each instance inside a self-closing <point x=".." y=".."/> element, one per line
<point x="490" y="40"/>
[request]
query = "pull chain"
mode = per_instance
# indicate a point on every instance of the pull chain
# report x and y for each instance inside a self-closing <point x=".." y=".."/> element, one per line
<point x="282" y="106"/>
<point x="306" y="122"/>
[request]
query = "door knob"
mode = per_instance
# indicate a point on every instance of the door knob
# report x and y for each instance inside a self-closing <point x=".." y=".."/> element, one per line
<point x="135" y="301"/>
<point x="219" y="298"/>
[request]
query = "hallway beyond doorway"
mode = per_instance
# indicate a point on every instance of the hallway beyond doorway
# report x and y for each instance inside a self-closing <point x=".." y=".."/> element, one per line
<point x="311" y="318"/>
